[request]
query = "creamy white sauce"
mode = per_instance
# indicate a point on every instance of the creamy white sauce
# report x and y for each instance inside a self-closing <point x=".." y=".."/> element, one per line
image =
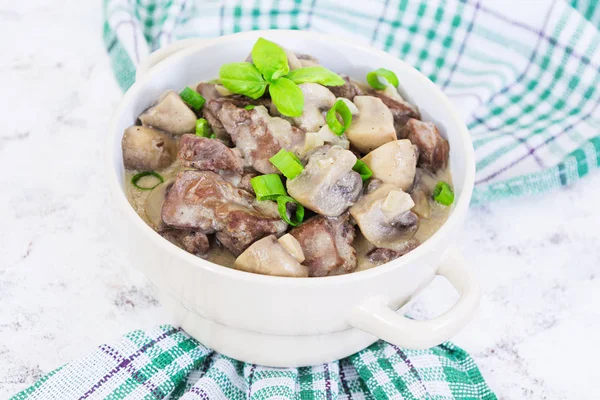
<point x="438" y="214"/>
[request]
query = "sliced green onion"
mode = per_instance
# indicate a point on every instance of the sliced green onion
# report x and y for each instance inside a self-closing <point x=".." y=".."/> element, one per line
<point x="192" y="98"/>
<point x="374" y="78"/>
<point x="267" y="187"/>
<point x="363" y="170"/>
<point x="287" y="162"/>
<point x="332" y="117"/>
<point x="212" y="136"/>
<point x="443" y="193"/>
<point x="202" y="128"/>
<point x="249" y="107"/>
<point x="282" y="202"/>
<point x="139" y="176"/>
<point x="295" y="157"/>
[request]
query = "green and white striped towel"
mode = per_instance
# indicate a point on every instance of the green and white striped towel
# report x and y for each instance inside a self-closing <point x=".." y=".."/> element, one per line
<point x="165" y="363"/>
<point x="523" y="73"/>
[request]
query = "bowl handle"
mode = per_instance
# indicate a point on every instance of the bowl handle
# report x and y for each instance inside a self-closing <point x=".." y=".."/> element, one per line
<point x="377" y="318"/>
<point x="162" y="53"/>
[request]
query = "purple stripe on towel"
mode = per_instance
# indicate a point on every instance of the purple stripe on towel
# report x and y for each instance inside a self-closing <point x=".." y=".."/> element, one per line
<point x="411" y="367"/>
<point x="126" y="361"/>
<point x="532" y="151"/>
<point x="461" y="50"/>
<point x="200" y="392"/>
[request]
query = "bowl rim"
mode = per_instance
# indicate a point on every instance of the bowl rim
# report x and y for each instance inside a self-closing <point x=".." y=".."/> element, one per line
<point x="459" y="207"/>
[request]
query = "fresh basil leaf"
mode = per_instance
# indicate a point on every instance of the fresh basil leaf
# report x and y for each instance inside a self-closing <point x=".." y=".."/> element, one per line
<point x="317" y="74"/>
<point x="270" y="59"/>
<point x="243" y="78"/>
<point x="287" y="97"/>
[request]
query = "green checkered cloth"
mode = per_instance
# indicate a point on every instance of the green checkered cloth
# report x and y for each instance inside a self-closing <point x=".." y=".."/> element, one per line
<point x="523" y="73"/>
<point x="166" y="363"/>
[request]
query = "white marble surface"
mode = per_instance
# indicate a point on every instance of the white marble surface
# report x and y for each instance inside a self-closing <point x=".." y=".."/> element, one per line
<point x="65" y="288"/>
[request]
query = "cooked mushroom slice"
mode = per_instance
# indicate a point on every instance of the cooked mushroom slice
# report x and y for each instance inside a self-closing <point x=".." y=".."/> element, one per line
<point x="317" y="100"/>
<point x="307" y="60"/>
<point x="433" y="148"/>
<point x="206" y="202"/>
<point x="351" y="106"/>
<point x="384" y="217"/>
<point x="379" y="256"/>
<point x="349" y="90"/>
<point x="394" y="162"/>
<point x="327" y="185"/>
<point x="312" y="140"/>
<point x="292" y="246"/>
<point x="333" y="139"/>
<point x="422" y="192"/>
<point x="327" y="245"/>
<point x="269" y="257"/>
<point x="193" y="242"/>
<point x="170" y="114"/>
<point x="293" y="60"/>
<point x="147" y="149"/>
<point x="400" y="108"/>
<point x="374" y="125"/>
<point x="258" y="135"/>
<point x="209" y="155"/>
<point x="154" y="203"/>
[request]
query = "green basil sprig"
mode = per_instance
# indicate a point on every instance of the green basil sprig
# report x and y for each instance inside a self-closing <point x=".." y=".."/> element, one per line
<point x="243" y="78"/>
<point x="316" y="74"/>
<point x="270" y="68"/>
<point x="287" y="96"/>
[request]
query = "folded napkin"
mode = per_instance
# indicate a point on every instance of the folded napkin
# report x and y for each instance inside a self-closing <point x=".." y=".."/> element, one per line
<point x="166" y="363"/>
<point x="523" y="74"/>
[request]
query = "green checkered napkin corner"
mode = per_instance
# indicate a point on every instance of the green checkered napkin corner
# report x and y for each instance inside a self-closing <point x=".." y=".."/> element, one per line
<point x="526" y="82"/>
<point x="166" y="363"/>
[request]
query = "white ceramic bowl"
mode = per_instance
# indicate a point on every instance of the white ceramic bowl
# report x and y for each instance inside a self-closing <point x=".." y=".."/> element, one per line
<point x="290" y="322"/>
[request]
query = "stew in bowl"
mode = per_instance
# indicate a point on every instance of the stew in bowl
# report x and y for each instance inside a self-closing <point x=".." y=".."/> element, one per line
<point x="282" y="167"/>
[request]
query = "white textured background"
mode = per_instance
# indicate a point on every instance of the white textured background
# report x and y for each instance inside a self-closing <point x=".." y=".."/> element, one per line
<point x="65" y="288"/>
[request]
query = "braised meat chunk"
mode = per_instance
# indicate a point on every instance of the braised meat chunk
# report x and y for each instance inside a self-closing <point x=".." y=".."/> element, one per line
<point x="193" y="242"/>
<point x="433" y="148"/>
<point x="209" y="155"/>
<point x="258" y="135"/>
<point x="348" y="90"/>
<point x="210" y="92"/>
<point x="204" y="201"/>
<point x="379" y="256"/>
<point x="327" y="245"/>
